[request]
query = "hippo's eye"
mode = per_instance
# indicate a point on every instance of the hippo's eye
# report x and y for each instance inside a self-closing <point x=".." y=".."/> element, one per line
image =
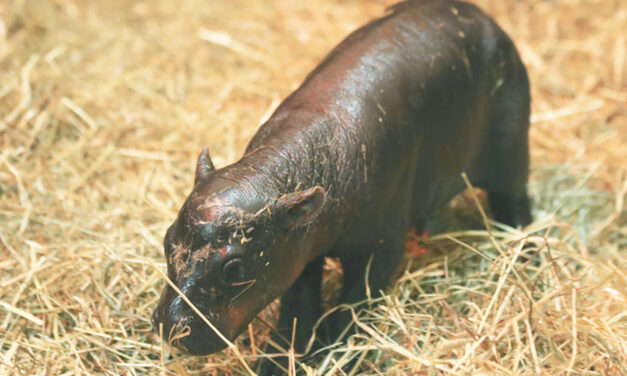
<point x="234" y="272"/>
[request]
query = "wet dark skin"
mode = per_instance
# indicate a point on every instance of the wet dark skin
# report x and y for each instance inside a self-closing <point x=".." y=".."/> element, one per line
<point x="372" y="142"/>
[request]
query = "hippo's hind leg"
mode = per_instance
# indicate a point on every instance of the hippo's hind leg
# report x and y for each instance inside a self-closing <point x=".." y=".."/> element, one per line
<point x="510" y="209"/>
<point x="508" y="160"/>
<point x="301" y="307"/>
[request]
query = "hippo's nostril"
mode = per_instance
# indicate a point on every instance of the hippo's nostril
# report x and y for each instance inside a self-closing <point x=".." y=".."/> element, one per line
<point x="183" y="321"/>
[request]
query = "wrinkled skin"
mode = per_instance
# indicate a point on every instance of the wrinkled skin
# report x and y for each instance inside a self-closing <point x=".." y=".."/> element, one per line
<point x="371" y="144"/>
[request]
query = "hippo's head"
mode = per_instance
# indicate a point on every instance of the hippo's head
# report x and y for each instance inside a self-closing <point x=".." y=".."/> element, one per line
<point x="231" y="251"/>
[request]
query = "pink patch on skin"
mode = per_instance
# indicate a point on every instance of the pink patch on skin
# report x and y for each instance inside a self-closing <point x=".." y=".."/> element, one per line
<point x="413" y="247"/>
<point x="208" y="216"/>
<point x="208" y="210"/>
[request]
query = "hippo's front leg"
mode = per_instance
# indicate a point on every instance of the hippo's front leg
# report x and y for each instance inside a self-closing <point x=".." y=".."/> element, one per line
<point x="302" y="303"/>
<point x="375" y="262"/>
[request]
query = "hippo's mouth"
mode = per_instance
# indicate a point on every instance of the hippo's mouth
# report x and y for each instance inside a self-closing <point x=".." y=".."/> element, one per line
<point x="190" y="334"/>
<point x="187" y="332"/>
<point x="196" y="338"/>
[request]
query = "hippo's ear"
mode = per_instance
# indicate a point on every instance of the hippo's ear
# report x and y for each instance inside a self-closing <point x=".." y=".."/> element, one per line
<point x="303" y="207"/>
<point x="203" y="166"/>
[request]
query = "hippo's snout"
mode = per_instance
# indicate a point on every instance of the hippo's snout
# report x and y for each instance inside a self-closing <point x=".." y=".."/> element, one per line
<point x="197" y="338"/>
<point x="184" y="330"/>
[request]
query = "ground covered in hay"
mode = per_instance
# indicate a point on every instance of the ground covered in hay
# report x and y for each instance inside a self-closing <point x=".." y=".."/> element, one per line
<point x="105" y="104"/>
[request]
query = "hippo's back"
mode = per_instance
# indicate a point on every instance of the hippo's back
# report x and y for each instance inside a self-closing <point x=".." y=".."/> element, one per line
<point x="398" y="110"/>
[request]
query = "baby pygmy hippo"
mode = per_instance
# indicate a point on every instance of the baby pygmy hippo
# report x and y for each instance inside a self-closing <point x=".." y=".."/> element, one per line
<point x="373" y="141"/>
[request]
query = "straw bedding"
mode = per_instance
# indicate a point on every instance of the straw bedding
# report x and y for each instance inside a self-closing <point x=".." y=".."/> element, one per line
<point x="105" y="104"/>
